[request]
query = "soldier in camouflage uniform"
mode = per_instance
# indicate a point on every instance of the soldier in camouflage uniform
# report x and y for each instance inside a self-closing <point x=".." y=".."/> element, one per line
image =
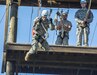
<point x="64" y="26"/>
<point x="39" y="30"/>
<point x="83" y="23"/>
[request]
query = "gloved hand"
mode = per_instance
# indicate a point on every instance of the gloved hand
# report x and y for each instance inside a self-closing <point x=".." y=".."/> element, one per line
<point x="33" y="32"/>
<point x="51" y="20"/>
<point x="85" y="21"/>
<point x="58" y="13"/>
<point x="59" y="27"/>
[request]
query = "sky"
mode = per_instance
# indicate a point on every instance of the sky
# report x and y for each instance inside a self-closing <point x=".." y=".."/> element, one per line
<point x="25" y="22"/>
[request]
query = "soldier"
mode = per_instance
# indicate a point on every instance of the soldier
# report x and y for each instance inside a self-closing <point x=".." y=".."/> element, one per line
<point x="39" y="30"/>
<point x="83" y="19"/>
<point x="64" y="26"/>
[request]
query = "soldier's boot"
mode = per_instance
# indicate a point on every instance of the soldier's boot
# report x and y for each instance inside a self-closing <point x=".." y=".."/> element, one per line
<point x="78" y="45"/>
<point x="85" y="45"/>
<point x="46" y="50"/>
<point x="27" y="56"/>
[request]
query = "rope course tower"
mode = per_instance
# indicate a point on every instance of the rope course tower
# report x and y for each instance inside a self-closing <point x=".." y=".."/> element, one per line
<point x="68" y="60"/>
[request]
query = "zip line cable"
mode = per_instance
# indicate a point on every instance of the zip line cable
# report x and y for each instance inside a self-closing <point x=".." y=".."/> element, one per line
<point x="93" y="34"/>
<point x="30" y="25"/>
<point x="3" y="16"/>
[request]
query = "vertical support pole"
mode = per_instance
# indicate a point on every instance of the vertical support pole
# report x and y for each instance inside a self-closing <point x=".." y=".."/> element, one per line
<point x="6" y="21"/>
<point x="10" y="66"/>
<point x="13" y="23"/>
<point x="16" y="68"/>
<point x="5" y="36"/>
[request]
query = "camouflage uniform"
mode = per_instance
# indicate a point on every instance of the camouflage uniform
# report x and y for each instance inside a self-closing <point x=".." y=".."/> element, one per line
<point x="63" y="40"/>
<point x="39" y="37"/>
<point x="83" y="29"/>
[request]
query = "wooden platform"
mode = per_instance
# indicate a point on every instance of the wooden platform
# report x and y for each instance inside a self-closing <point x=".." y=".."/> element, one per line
<point x="68" y="60"/>
<point x="59" y="3"/>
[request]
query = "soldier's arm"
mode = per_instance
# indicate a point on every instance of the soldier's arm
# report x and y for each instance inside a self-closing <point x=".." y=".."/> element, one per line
<point x="51" y="25"/>
<point x="90" y="18"/>
<point x="58" y="26"/>
<point x="36" y="23"/>
<point x="77" y="19"/>
<point x="68" y="26"/>
<point x="36" y="20"/>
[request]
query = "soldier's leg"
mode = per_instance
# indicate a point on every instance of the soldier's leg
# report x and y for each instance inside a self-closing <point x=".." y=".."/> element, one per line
<point x="65" y="40"/>
<point x="79" y="36"/>
<point x="45" y="46"/>
<point x="86" y="36"/>
<point x="59" y="40"/>
<point x="32" y="50"/>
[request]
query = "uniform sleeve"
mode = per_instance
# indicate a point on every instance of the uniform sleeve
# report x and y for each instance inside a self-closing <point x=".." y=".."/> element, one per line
<point x="36" y="25"/>
<point x="90" y="17"/>
<point x="35" y="21"/>
<point x="51" y="26"/>
<point x="77" y="19"/>
<point x="69" y="26"/>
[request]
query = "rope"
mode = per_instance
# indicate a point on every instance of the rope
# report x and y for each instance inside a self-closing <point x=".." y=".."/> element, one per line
<point x="53" y="37"/>
<point x="3" y="16"/>
<point x="88" y="9"/>
<point x="40" y="4"/>
<point x="93" y="34"/>
<point x="30" y="24"/>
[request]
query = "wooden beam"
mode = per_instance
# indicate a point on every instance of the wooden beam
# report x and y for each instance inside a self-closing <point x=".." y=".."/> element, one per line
<point x="54" y="48"/>
<point x="42" y="56"/>
<point x="12" y="34"/>
<point x="10" y="68"/>
<point x="59" y="3"/>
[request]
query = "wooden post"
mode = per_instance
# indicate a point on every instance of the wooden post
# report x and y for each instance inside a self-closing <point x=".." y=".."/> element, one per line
<point x="13" y="23"/>
<point x="10" y="67"/>
<point x="5" y="36"/>
<point x="6" y="22"/>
